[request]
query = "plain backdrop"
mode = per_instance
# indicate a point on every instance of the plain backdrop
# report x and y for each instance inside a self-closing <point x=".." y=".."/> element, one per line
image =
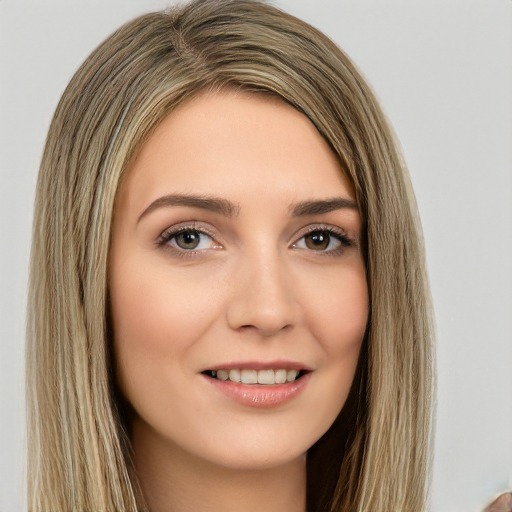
<point x="443" y="71"/>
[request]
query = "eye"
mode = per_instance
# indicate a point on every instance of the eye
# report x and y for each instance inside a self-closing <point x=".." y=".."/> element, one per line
<point x="320" y="241"/>
<point x="187" y="239"/>
<point x="323" y="240"/>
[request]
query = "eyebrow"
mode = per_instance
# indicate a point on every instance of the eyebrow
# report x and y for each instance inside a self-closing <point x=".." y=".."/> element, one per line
<point x="213" y="204"/>
<point x="229" y="209"/>
<point x="323" y="206"/>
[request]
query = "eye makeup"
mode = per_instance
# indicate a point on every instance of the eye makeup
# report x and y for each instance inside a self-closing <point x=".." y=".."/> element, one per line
<point x="188" y="239"/>
<point x="323" y="239"/>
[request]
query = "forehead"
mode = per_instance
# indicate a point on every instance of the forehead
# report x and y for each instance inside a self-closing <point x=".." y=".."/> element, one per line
<point x="226" y="141"/>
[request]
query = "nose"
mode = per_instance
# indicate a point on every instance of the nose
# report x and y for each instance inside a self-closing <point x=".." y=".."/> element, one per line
<point x="262" y="300"/>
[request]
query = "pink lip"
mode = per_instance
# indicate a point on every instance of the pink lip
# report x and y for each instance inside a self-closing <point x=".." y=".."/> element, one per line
<point x="258" y="395"/>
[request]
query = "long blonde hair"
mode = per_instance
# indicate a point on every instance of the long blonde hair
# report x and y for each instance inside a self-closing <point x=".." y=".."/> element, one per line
<point x="376" y="456"/>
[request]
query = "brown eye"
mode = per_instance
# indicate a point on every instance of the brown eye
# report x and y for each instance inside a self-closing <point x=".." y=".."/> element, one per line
<point x="187" y="240"/>
<point x="318" y="240"/>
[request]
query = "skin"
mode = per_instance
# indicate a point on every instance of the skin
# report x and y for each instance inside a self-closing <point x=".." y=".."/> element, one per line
<point x="258" y="287"/>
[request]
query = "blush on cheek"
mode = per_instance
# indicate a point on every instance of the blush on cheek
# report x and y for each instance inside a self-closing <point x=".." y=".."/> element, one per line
<point x="344" y="310"/>
<point x="139" y="333"/>
<point x="154" y="319"/>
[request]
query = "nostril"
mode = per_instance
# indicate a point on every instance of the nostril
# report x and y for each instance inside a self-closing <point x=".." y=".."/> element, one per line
<point x="261" y="304"/>
<point x="264" y="328"/>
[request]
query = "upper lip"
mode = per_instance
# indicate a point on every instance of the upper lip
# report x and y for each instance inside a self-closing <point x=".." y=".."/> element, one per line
<point x="260" y="365"/>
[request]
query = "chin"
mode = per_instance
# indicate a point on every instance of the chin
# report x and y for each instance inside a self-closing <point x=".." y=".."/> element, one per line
<point x="258" y="460"/>
<point x="259" y="450"/>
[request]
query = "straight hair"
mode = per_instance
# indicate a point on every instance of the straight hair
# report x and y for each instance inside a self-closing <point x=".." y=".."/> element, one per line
<point x="377" y="454"/>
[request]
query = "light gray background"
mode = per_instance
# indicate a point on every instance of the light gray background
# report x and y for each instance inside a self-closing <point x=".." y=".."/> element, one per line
<point x="443" y="70"/>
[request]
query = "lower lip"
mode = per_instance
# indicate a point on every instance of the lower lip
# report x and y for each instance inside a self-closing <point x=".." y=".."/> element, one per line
<point x="260" y="396"/>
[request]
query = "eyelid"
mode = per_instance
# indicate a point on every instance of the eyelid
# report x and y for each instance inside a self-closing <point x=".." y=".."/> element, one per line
<point x="336" y="231"/>
<point x="167" y="234"/>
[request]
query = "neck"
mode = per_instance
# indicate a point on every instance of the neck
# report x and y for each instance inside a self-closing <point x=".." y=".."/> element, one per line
<point x="174" y="480"/>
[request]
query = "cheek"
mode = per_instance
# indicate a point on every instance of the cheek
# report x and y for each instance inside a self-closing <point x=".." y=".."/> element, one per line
<point x="156" y="318"/>
<point x="338" y="311"/>
<point x="138" y="309"/>
<point x="337" y="316"/>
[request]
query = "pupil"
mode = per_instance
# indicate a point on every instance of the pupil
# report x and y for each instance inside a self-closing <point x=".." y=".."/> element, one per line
<point x="188" y="239"/>
<point x="318" y="240"/>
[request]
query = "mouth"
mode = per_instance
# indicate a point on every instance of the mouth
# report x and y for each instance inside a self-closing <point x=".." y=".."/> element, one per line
<point x="266" y="377"/>
<point x="263" y="385"/>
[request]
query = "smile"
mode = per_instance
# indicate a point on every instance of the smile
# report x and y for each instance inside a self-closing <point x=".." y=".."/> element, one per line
<point x="265" y="388"/>
<point x="267" y="377"/>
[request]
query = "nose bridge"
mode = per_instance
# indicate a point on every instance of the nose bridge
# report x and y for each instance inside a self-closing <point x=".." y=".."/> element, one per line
<point x="262" y="299"/>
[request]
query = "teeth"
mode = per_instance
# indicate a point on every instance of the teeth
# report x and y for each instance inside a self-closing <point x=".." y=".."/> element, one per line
<point x="291" y="375"/>
<point x="234" y="375"/>
<point x="265" y="377"/>
<point x="249" y="376"/>
<point x="280" y="376"/>
<point x="222" y="375"/>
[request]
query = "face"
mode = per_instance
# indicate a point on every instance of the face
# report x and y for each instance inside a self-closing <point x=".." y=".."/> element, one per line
<point x="238" y="289"/>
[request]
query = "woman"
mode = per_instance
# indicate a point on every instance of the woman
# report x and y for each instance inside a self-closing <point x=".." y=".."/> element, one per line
<point x="192" y="144"/>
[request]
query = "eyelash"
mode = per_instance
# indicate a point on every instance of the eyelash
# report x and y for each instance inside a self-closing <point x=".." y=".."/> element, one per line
<point x="332" y="232"/>
<point x="166" y="236"/>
